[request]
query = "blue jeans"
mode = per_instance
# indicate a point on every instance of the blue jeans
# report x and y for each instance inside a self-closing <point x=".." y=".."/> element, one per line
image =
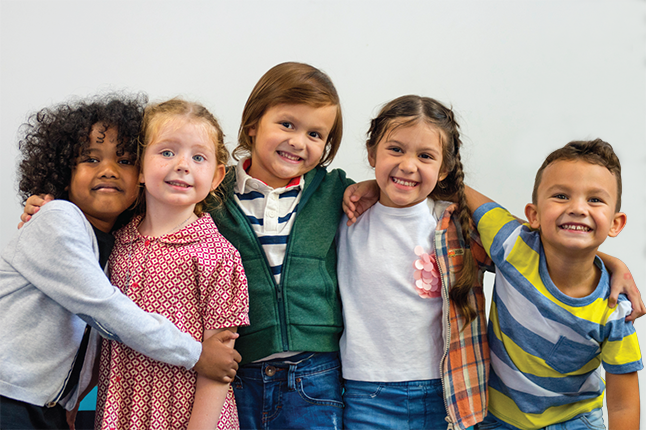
<point x="592" y="420"/>
<point x="394" y="405"/>
<point x="303" y="391"/>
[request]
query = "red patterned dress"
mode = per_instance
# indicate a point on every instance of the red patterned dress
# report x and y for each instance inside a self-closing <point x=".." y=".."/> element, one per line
<point x="195" y="278"/>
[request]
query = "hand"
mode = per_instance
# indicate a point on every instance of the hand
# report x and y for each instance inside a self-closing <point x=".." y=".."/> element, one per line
<point x="358" y="198"/>
<point x="622" y="282"/>
<point x="71" y="415"/>
<point x="219" y="361"/>
<point x="33" y="205"/>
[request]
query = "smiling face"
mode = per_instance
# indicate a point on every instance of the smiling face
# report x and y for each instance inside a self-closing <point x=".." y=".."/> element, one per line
<point x="575" y="207"/>
<point x="408" y="163"/>
<point x="289" y="141"/>
<point x="104" y="180"/>
<point x="179" y="166"/>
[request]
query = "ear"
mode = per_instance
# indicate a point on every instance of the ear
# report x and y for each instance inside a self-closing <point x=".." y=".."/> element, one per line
<point x="141" y="178"/>
<point x="618" y="224"/>
<point x="220" y="172"/>
<point x="442" y="176"/>
<point x="252" y="130"/>
<point x="531" y="213"/>
<point x="371" y="157"/>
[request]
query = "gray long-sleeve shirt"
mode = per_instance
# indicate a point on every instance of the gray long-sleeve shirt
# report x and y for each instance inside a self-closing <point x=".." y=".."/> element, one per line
<point x="51" y="285"/>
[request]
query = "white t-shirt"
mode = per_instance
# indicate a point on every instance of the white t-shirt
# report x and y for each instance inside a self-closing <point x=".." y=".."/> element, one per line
<point x="392" y="334"/>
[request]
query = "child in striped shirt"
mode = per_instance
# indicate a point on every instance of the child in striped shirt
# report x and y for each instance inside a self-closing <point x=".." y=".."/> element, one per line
<point x="550" y="327"/>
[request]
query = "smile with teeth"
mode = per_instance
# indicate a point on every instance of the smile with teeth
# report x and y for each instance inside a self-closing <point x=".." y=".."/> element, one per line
<point x="178" y="184"/>
<point x="289" y="156"/>
<point x="403" y="182"/>
<point x="575" y="227"/>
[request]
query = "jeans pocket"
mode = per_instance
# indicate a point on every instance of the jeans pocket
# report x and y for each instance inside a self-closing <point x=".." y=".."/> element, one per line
<point x="322" y="388"/>
<point x="593" y="420"/>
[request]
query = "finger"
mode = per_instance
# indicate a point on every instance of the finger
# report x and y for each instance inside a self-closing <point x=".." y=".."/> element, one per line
<point x="20" y="224"/>
<point x="638" y="311"/>
<point x="47" y="198"/>
<point x="24" y="217"/>
<point x="237" y="357"/>
<point x="612" y="300"/>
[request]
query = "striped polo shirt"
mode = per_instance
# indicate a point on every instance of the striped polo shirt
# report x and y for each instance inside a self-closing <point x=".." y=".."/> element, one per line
<point x="270" y="211"/>
<point x="547" y="347"/>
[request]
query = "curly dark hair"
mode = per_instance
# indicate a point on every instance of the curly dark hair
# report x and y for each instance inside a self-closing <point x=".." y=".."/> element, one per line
<point x="53" y="138"/>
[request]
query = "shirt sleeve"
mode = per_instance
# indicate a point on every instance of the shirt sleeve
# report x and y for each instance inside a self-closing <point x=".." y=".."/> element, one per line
<point x="225" y="293"/>
<point x="620" y="351"/>
<point x="55" y="254"/>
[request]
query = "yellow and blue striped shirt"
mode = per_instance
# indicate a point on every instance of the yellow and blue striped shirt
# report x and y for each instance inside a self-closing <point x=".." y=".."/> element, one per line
<point x="547" y="347"/>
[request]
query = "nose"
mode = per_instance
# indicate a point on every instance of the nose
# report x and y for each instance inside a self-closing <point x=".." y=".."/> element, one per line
<point x="182" y="164"/>
<point x="297" y="141"/>
<point x="110" y="169"/>
<point x="578" y="206"/>
<point x="408" y="164"/>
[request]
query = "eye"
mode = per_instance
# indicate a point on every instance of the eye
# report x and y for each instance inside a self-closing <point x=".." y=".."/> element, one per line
<point x="560" y="196"/>
<point x="88" y="159"/>
<point x="395" y="149"/>
<point x="167" y="153"/>
<point x="128" y="161"/>
<point x="425" y="156"/>
<point x="595" y="200"/>
<point x="315" y="135"/>
<point x="287" y="124"/>
<point x="198" y="158"/>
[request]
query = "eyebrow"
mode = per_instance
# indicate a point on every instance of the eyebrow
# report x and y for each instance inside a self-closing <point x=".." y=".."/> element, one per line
<point x="423" y="149"/>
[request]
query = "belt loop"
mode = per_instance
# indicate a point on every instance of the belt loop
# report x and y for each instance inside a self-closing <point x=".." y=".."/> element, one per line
<point x="291" y="377"/>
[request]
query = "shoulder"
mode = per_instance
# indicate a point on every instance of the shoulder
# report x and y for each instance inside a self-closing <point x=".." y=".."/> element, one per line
<point x="211" y="239"/>
<point x="333" y="179"/>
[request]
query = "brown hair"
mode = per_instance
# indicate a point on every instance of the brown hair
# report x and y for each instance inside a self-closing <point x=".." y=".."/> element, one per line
<point x="591" y="151"/>
<point x="159" y="114"/>
<point x="291" y="83"/>
<point x="409" y="110"/>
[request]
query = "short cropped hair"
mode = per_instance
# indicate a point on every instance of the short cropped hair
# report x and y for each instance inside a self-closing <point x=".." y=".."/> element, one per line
<point x="591" y="151"/>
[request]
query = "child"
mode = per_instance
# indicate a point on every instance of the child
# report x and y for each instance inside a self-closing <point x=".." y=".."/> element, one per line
<point x="51" y="282"/>
<point x="550" y="327"/>
<point x="173" y="261"/>
<point x="282" y="216"/>
<point x="414" y="350"/>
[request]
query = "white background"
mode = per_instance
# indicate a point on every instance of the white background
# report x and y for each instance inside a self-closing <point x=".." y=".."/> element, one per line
<point x="525" y="77"/>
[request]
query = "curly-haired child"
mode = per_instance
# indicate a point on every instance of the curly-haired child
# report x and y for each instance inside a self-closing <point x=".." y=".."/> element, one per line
<point x="54" y="295"/>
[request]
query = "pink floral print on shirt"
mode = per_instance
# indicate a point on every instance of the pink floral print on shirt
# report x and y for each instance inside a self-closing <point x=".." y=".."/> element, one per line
<point x="427" y="275"/>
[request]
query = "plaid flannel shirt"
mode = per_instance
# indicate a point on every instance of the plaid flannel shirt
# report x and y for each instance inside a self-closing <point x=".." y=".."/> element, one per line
<point x="465" y="363"/>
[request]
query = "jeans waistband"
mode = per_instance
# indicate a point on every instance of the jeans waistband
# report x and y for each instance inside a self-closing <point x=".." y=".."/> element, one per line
<point x="303" y="364"/>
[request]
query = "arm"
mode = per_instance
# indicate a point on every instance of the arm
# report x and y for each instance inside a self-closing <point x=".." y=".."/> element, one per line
<point x="55" y="255"/>
<point x="358" y="198"/>
<point x="209" y="395"/>
<point x="622" y="282"/>
<point x="32" y="205"/>
<point x="622" y="397"/>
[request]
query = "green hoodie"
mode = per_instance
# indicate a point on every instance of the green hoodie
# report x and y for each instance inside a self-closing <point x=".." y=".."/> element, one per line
<point x="303" y="312"/>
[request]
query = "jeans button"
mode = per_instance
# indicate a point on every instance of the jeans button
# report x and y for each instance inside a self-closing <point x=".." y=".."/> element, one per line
<point x="270" y="370"/>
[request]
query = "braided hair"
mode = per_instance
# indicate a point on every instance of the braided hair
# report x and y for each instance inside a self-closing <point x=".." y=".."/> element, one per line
<point x="411" y="109"/>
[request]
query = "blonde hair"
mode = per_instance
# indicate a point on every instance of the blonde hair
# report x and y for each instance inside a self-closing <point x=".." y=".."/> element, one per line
<point x="157" y="115"/>
<point x="291" y="83"/>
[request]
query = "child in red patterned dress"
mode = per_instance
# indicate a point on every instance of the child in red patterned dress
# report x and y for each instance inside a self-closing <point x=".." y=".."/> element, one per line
<point x="173" y="261"/>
